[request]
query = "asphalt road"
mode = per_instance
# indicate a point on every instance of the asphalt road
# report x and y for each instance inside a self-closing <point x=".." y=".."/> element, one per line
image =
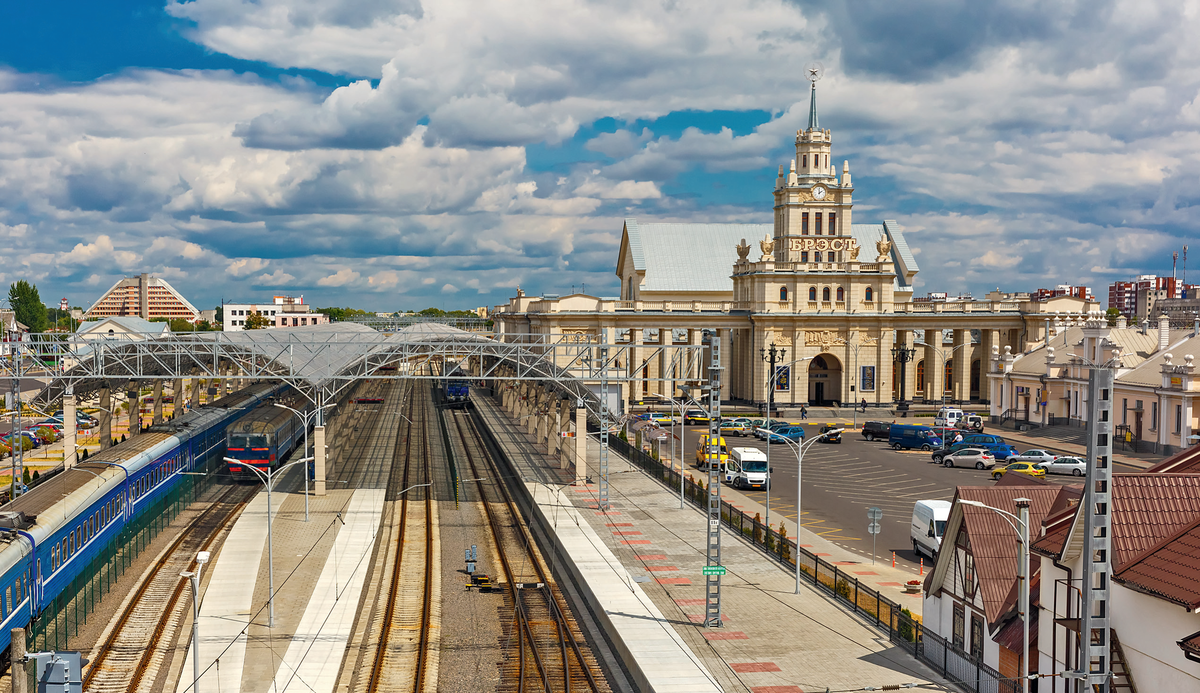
<point x="842" y="480"/>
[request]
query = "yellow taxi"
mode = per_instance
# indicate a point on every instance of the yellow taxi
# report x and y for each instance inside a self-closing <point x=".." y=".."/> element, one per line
<point x="1021" y="468"/>
<point x="702" y="451"/>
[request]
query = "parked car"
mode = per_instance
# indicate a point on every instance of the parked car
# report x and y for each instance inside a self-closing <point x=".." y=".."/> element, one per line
<point x="788" y="432"/>
<point x="834" y="437"/>
<point x="695" y="416"/>
<point x="971" y="422"/>
<point x="747" y="468"/>
<point x="661" y="418"/>
<point x="876" y="429"/>
<point x="948" y="416"/>
<point x="970" y="457"/>
<point x="34" y="440"/>
<point x="908" y="436"/>
<point x="1020" y="468"/>
<point x="736" y="428"/>
<point x="1035" y="456"/>
<point x="761" y="432"/>
<point x="1066" y="465"/>
<point x="991" y="443"/>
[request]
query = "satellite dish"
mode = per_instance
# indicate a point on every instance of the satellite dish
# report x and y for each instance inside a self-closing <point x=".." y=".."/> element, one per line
<point x="813" y="71"/>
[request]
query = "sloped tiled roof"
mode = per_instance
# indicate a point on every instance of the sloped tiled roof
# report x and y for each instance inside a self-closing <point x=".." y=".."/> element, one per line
<point x="994" y="544"/>
<point x="1170" y="570"/>
<point x="1149" y="372"/>
<point x="1186" y="461"/>
<point x="1191" y="644"/>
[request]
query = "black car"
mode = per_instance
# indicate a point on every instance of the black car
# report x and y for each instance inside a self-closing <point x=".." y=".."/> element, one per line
<point x="832" y="437"/>
<point x="876" y="429"/>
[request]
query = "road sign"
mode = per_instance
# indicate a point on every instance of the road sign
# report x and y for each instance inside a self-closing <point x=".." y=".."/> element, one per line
<point x="873" y="528"/>
<point x="874" y="514"/>
<point x="714" y="570"/>
<point x="568" y="434"/>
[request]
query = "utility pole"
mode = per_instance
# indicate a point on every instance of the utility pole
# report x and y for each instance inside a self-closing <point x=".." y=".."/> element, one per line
<point x="712" y="578"/>
<point x="602" y="352"/>
<point x="770" y="355"/>
<point x="1094" y="644"/>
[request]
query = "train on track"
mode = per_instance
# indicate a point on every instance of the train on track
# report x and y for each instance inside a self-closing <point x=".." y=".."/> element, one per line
<point x="264" y="437"/>
<point x="456" y="390"/>
<point x="49" y="535"/>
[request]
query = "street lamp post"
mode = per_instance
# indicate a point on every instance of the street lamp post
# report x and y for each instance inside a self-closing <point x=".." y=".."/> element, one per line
<point x="770" y="355"/>
<point x="903" y="354"/>
<point x="304" y="418"/>
<point x="268" y="478"/>
<point x="1022" y="529"/>
<point x="194" y="579"/>
<point x="944" y="356"/>
<point x="800" y="448"/>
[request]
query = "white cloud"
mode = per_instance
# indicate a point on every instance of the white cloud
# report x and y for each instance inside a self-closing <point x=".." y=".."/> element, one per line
<point x="342" y="277"/>
<point x="245" y="266"/>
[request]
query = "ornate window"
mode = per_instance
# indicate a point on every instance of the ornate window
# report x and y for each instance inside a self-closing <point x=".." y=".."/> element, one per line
<point x="804" y="223"/>
<point x="783" y="294"/>
<point x="947" y="384"/>
<point x="817" y="225"/>
<point x="804" y="256"/>
<point x="812" y="293"/>
<point x="832" y="224"/>
<point x="825" y="294"/>
<point x="921" y="374"/>
<point x="841" y="294"/>
<point x="804" y="161"/>
<point x="869" y="294"/>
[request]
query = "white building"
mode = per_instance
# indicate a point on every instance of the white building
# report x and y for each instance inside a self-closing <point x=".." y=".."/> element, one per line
<point x="282" y="311"/>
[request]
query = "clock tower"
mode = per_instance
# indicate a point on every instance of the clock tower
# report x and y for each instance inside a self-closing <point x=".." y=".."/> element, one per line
<point x="812" y="207"/>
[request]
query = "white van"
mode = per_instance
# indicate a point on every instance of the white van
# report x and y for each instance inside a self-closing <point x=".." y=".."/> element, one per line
<point x="928" y="525"/>
<point x="747" y="468"/>
<point x="948" y="416"/>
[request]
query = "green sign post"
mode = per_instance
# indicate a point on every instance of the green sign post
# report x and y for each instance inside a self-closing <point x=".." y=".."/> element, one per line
<point x="714" y="570"/>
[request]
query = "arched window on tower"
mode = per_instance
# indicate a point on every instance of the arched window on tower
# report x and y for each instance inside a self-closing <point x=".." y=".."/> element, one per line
<point x="841" y="294"/>
<point x="869" y="295"/>
<point x="783" y="294"/>
<point x="812" y="293"/>
<point x="825" y="294"/>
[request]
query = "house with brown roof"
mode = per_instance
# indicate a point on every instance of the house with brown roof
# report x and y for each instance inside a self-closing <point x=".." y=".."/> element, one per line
<point x="1155" y="591"/>
<point x="971" y="592"/>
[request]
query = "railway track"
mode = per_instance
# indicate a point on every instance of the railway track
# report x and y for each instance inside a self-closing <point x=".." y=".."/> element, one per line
<point x="545" y="649"/>
<point x="399" y="649"/>
<point x="136" y="648"/>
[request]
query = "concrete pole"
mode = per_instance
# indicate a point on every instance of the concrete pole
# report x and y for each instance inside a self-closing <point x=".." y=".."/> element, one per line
<point x="177" y="394"/>
<point x="158" y="397"/>
<point x="580" y="446"/>
<point x="17" y="635"/>
<point x="69" y="447"/>
<point x="319" y="460"/>
<point x="105" y="418"/>
<point x="195" y="392"/>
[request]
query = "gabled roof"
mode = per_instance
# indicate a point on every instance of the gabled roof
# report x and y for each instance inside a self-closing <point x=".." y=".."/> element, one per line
<point x="1186" y="461"/>
<point x="1170" y="570"/>
<point x="128" y="322"/>
<point x="1149" y="371"/>
<point x="994" y="543"/>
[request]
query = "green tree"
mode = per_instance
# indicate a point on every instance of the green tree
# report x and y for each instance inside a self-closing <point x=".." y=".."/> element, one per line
<point x="340" y="314"/>
<point x="27" y="304"/>
<point x="220" y="315"/>
<point x="1112" y="314"/>
<point x="257" y="321"/>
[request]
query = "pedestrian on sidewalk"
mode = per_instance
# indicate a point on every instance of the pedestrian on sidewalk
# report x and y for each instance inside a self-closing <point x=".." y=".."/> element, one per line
<point x="803" y="413"/>
<point x="864" y="405"/>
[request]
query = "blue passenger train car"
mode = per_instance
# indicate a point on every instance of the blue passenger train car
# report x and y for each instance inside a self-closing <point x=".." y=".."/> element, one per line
<point x="49" y="535"/>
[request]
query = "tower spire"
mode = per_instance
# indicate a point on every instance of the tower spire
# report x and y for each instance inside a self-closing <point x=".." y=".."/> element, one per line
<point x="812" y="110"/>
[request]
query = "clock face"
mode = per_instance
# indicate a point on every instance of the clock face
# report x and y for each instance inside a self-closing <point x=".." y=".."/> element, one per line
<point x="818" y="192"/>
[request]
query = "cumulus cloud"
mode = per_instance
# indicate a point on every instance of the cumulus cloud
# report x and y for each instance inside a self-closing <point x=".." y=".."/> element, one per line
<point x="244" y="266"/>
<point x="342" y="277"/>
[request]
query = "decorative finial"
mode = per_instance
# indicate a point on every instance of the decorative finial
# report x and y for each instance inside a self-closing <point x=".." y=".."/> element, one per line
<point x="814" y="70"/>
<point x="743" y="249"/>
<point x="768" y="248"/>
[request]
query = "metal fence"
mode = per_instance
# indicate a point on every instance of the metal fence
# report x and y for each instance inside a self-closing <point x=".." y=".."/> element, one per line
<point x="903" y="629"/>
<point x="63" y="616"/>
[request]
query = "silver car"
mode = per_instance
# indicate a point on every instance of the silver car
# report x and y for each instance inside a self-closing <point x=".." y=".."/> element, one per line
<point x="1066" y="465"/>
<point x="970" y="457"/>
<point x="1041" y="457"/>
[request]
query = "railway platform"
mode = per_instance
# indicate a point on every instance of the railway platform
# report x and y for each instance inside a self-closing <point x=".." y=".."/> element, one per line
<point x="640" y="567"/>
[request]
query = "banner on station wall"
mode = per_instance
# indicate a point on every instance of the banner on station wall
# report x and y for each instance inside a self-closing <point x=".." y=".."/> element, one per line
<point x="783" y="379"/>
<point x="867" y="379"/>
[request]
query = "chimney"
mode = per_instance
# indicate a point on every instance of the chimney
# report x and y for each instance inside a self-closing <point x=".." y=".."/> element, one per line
<point x="1122" y="321"/>
<point x="1164" y="332"/>
<point x="144" y="296"/>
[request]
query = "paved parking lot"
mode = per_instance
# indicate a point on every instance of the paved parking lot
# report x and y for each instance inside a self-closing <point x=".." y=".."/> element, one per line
<point x="842" y="480"/>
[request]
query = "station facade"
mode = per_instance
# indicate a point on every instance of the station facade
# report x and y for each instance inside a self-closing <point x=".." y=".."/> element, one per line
<point x="836" y="296"/>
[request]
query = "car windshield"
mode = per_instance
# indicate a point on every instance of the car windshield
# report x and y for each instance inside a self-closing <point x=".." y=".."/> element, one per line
<point x="755" y="465"/>
<point x="941" y="527"/>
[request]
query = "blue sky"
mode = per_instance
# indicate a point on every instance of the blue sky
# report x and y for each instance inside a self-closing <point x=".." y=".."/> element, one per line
<point x="395" y="154"/>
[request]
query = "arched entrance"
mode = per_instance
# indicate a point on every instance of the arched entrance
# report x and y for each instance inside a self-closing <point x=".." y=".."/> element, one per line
<point x="824" y="380"/>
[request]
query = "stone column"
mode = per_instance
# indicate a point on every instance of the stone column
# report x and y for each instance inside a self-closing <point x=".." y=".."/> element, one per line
<point x="158" y="397"/>
<point x="726" y="364"/>
<point x="177" y="393"/>
<point x="17" y="663"/>
<point x="195" y="392"/>
<point x="636" y="353"/>
<point x="134" y="426"/>
<point x="580" y="446"/>
<point x="905" y="337"/>
<point x="962" y="365"/>
<point x="105" y="418"/>
<point x="69" y="448"/>
<point x="799" y="393"/>
<point x="319" y="460"/>
<point x="934" y="375"/>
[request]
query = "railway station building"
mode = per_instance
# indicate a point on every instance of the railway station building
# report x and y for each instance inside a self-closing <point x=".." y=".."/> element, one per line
<point x="833" y="292"/>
